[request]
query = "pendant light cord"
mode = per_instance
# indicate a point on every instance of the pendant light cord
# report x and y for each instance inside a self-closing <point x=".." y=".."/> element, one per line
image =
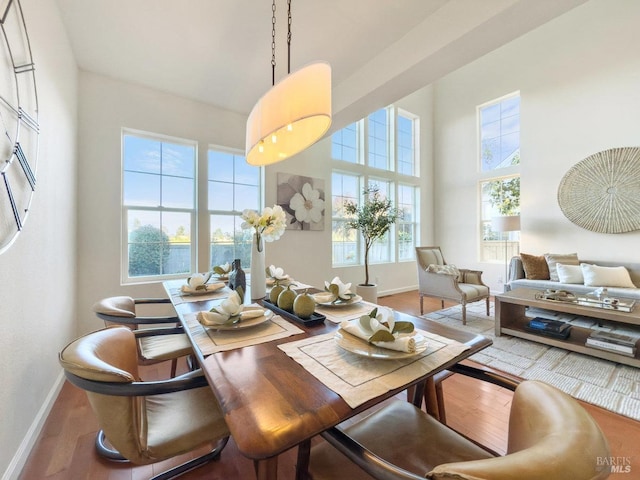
<point x="273" y="40"/>
<point x="288" y="37"/>
<point x="273" y="43"/>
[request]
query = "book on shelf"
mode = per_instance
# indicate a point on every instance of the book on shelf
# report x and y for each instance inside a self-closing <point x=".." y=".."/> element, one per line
<point x="614" y="338"/>
<point x="548" y="325"/>
<point x="627" y="350"/>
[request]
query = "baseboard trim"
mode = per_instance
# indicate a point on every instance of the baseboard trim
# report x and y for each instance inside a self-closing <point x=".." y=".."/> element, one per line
<point x="393" y="291"/>
<point x="21" y="456"/>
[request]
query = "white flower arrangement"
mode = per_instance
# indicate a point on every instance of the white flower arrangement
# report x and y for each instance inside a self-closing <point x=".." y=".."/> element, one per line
<point x="269" y="226"/>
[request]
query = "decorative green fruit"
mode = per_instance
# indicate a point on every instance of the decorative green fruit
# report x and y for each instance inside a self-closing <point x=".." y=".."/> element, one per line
<point x="286" y="298"/>
<point x="275" y="291"/>
<point x="304" y="305"/>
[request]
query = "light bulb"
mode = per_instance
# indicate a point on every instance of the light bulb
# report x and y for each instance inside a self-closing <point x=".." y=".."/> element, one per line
<point x="261" y="147"/>
<point x="274" y="139"/>
<point x="289" y="128"/>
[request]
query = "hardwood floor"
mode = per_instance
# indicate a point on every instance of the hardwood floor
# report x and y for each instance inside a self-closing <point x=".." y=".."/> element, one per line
<point x="65" y="448"/>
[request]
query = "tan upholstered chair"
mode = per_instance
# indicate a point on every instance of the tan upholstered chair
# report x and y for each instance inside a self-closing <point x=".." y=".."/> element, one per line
<point x="550" y="437"/>
<point x="155" y="348"/>
<point x="145" y="422"/>
<point x="439" y="280"/>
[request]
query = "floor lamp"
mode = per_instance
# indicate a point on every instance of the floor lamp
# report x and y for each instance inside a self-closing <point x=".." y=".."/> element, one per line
<point x="503" y="224"/>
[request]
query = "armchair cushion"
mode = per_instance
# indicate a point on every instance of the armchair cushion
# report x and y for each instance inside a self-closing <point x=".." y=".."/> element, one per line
<point x="474" y="292"/>
<point x="445" y="269"/>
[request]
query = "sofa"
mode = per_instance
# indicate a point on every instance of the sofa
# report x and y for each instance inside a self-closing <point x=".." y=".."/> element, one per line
<point x="518" y="277"/>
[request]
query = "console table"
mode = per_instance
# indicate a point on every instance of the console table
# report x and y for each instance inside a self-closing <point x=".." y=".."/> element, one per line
<point x="511" y="320"/>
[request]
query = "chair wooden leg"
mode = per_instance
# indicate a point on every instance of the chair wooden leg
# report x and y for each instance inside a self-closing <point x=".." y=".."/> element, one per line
<point x="442" y="303"/>
<point x="464" y="314"/>
<point x="421" y="305"/>
<point x="487" y="300"/>
<point x="174" y="367"/>
<point x="440" y="398"/>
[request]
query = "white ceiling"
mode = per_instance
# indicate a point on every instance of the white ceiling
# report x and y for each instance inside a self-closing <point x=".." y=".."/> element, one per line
<point x="219" y="51"/>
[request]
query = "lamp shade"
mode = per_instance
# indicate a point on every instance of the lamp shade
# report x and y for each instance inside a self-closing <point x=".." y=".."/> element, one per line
<point x="506" y="223"/>
<point x="293" y="115"/>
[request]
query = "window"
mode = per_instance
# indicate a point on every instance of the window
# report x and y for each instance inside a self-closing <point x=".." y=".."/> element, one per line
<point x="407" y="125"/>
<point x="344" y="187"/>
<point x="378" y="139"/>
<point x="381" y="251"/>
<point x="499" y="135"/>
<point x="391" y="165"/>
<point x="344" y="144"/>
<point x="233" y="185"/>
<point x="407" y="226"/>
<point x="158" y="202"/>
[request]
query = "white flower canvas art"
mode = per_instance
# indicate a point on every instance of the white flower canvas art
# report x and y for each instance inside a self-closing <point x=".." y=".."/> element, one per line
<point x="302" y="199"/>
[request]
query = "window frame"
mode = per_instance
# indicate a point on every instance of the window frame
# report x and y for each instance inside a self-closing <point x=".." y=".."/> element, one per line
<point x="125" y="209"/>
<point x="231" y="213"/>
<point x="367" y="173"/>
<point x="511" y="239"/>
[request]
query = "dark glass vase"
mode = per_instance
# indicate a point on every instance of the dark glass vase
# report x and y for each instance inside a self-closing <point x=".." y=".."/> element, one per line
<point x="237" y="278"/>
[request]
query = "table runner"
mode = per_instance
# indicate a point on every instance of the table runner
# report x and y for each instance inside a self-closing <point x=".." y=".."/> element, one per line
<point x="358" y="379"/>
<point x="348" y="312"/>
<point x="211" y="341"/>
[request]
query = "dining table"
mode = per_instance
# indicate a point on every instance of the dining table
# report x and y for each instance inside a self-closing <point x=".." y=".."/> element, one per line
<point x="273" y="400"/>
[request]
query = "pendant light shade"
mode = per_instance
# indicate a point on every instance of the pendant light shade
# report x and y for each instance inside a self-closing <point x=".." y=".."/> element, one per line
<point x="293" y="115"/>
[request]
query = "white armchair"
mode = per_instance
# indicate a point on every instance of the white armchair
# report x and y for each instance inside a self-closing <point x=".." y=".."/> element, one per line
<point x="438" y="279"/>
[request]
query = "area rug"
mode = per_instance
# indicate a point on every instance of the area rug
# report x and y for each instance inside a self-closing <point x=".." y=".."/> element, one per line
<point x="609" y="385"/>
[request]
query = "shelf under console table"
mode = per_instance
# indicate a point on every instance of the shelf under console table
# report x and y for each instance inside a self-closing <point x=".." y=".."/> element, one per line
<point x="511" y="319"/>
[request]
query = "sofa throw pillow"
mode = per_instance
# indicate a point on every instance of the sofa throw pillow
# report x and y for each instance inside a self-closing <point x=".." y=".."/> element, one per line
<point x="447" y="269"/>
<point x="563" y="258"/>
<point x="534" y="266"/>
<point x="597" y="276"/>
<point x="569" y="273"/>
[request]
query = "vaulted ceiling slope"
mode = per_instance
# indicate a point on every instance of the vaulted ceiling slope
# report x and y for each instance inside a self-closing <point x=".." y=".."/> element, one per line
<point x="219" y="51"/>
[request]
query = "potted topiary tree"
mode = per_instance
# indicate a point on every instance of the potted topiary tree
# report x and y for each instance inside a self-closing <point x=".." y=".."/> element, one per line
<point x="373" y="219"/>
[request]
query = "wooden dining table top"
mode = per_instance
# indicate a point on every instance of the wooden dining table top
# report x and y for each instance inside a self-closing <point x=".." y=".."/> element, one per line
<point x="271" y="403"/>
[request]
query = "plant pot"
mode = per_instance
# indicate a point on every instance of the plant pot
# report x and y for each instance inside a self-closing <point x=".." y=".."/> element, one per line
<point x="369" y="293"/>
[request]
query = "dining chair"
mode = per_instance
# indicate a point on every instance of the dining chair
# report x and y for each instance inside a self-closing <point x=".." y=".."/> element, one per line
<point x="163" y="345"/>
<point x="143" y="422"/>
<point x="550" y="437"/>
<point x="438" y="279"/>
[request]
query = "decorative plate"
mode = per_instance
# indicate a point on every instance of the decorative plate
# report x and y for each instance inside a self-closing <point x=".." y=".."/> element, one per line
<point x="600" y="193"/>
<point x="363" y="348"/>
<point x="318" y="297"/>
<point x="240" y="325"/>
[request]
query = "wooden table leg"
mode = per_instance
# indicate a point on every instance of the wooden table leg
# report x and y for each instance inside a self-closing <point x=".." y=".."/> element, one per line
<point x="302" y="465"/>
<point x="266" y="469"/>
<point x="431" y="399"/>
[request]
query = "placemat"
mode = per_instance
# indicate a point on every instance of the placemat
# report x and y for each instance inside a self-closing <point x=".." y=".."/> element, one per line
<point x="348" y="312"/>
<point x="177" y="297"/>
<point x="358" y="379"/>
<point x="211" y="341"/>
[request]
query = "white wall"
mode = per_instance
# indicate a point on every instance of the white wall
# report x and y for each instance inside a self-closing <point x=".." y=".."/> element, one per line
<point x="579" y="78"/>
<point x="106" y="106"/>
<point x="38" y="296"/>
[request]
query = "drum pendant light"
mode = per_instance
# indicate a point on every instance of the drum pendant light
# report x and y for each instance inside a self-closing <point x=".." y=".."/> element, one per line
<point x="294" y="114"/>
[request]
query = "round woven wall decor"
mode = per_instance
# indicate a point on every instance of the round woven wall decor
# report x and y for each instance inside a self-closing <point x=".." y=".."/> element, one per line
<point x="602" y="192"/>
